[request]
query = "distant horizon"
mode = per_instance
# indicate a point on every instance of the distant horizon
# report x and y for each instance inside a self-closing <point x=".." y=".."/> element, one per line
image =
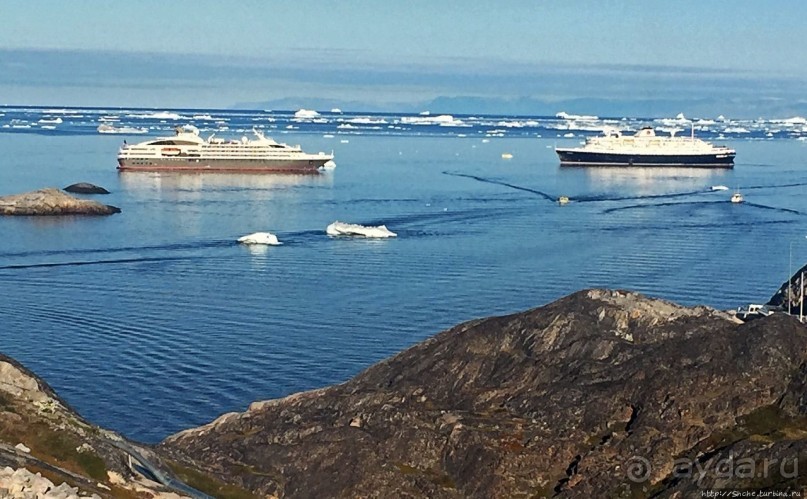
<point x="56" y="107"/>
<point x="606" y="57"/>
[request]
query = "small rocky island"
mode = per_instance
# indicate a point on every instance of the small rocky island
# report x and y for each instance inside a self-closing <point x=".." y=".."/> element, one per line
<point x="600" y="394"/>
<point x="85" y="188"/>
<point x="52" y="201"/>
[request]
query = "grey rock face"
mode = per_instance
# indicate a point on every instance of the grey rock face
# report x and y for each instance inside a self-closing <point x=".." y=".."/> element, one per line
<point x="52" y="201"/>
<point x="559" y="400"/>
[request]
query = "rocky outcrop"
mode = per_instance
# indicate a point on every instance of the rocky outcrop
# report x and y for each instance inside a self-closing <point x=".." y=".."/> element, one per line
<point x="48" y="450"/>
<point x="52" y="201"/>
<point x="85" y="188"/>
<point x="600" y="394"/>
<point x="790" y="294"/>
<point x="24" y="484"/>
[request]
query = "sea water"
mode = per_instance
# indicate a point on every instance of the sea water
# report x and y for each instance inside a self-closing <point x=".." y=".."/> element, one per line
<point x="155" y="319"/>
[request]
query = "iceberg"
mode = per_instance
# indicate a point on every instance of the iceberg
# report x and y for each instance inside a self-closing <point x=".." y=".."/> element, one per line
<point x="306" y="113"/>
<point x="344" y="229"/>
<point x="265" y="238"/>
<point x="160" y="115"/>
<point x="566" y="116"/>
<point x="425" y="119"/>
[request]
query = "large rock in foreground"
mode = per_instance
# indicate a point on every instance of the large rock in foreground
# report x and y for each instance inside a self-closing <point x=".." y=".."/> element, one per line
<point x="52" y="201"/>
<point x="595" y="395"/>
<point x="48" y="450"/>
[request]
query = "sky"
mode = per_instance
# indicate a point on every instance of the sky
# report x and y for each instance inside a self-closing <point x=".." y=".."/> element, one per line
<point x="218" y="54"/>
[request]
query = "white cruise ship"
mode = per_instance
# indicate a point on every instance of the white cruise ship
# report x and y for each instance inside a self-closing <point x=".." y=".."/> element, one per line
<point x="186" y="151"/>
<point x="645" y="148"/>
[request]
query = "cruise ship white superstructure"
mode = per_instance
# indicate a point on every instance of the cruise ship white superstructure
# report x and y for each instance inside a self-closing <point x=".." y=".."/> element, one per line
<point x="645" y="148"/>
<point x="187" y="151"/>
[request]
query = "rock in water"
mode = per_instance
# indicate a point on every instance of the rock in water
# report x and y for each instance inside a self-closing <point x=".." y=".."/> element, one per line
<point x="85" y="188"/>
<point x="562" y="400"/>
<point x="52" y="201"/>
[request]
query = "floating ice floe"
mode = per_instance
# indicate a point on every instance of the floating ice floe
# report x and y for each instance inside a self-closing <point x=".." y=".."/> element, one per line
<point x="566" y="116"/>
<point x="266" y="238"/>
<point x="366" y="120"/>
<point x="306" y="113"/>
<point x="343" y="229"/>
<point x="425" y="119"/>
<point x="160" y="115"/>
<point x="719" y="188"/>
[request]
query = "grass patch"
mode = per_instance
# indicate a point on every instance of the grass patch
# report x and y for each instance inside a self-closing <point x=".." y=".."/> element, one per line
<point x="766" y="424"/>
<point x="93" y="465"/>
<point x="6" y="403"/>
<point x="437" y="478"/>
<point x="210" y="485"/>
<point x="57" y="448"/>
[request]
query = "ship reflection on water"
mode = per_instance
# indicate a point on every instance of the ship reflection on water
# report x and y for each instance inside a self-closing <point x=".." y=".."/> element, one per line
<point x="649" y="181"/>
<point x="148" y="183"/>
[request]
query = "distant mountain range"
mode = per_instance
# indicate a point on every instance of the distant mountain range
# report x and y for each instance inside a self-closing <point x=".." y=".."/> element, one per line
<point x="465" y="86"/>
<point x="650" y="108"/>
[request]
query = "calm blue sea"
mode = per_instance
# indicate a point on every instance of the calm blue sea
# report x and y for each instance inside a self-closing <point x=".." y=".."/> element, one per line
<point x="155" y="319"/>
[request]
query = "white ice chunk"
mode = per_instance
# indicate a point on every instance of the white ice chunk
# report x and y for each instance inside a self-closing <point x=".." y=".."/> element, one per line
<point x="260" y="238"/>
<point x="306" y="113"/>
<point x="566" y="116"/>
<point x="344" y="229"/>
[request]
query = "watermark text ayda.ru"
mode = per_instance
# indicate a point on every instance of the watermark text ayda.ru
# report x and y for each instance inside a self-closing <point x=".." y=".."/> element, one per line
<point x="639" y="470"/>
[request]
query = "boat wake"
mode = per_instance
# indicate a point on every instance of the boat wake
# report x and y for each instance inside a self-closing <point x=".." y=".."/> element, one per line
<point x="671" y="195"/>
<point x="774" y="208"/>
<point x="656" y="205"/>
<point x="544" y="195"/>
<point x="97" y="262"/>
<point x="125" y="249"/>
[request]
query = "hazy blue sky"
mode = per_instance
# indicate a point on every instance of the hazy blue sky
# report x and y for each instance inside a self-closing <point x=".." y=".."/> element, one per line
<point x="391" y="51"/>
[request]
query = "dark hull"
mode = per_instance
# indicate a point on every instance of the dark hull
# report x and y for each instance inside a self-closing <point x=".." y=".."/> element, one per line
<point x="229" y="166"/>
<point x="582" y="158"/>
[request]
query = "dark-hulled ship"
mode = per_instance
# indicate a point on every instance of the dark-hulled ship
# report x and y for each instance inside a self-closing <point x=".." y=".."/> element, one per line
<point x="645" y="148"/>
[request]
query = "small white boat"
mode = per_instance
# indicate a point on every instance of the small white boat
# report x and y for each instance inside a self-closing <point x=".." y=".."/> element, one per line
<point x="507" y="155"/>
<point x="737" y="198"/>
<point x="264" y="238"/>
<point x="719" y="188"/>
<point x="563" y="200"/>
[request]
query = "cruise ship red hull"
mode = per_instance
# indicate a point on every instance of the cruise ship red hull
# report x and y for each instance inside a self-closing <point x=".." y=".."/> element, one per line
<point x="227" y="166"/>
